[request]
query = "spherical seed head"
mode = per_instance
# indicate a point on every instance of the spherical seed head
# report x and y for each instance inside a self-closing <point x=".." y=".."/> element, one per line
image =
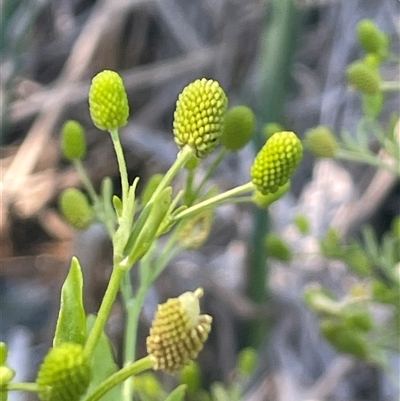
<point x="108" y="102"/>
<point x="64" y="374"/>
<point x="276" y="162"/>
<point x="369" y="36"/>
<point x="199" y="116"/>
<point x="178" y="332"/>
<point x="238" y="128"/>
<point x="73" y="141"/>
<point x="363" y="78"/>
<point x="75" y="208"/>
<point x="321" y="142"/>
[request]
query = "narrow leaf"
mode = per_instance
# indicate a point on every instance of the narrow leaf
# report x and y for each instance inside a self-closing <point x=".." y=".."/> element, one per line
<point x="71" y="322"/>
<point x="178" y="394"/>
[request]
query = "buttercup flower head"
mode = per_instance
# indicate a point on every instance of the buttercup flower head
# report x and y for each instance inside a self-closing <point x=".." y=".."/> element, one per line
<point x="276" y="162"/>
<point x="178" y="332"/>
<point x="64" y="374"/>
<point x="108" y="102"/>
<point x="199" y="116"/>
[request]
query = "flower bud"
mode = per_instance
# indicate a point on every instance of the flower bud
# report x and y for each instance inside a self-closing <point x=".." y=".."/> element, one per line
<point x="178" y="332"/>
<point x="108" y="101"/>
<point x="369" y="35"/>
<point x="321" y="142"/>
<point x="199" y="116"/>
<point x="276" y="162"/>
<point x="363" y="78"/>
<point x="75" y="208"/>
<point x="239" y="127"/>
<point x="64" y="374"/>
<point x="73" y="141"/>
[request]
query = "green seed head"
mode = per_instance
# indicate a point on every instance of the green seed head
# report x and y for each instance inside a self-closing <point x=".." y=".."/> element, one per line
<point x="108" y="102"/>
<point x="199" y="116"/>
<point x="73" y="141"/>
<point x="321" y="142"/>
<point x="75" y="208"/>
<point x="238" y="128"/>
<point x="64" y="374"/>
<point x="276" y="162"/>
<point x="371" y="38"/>
<point x="363" y="78"/>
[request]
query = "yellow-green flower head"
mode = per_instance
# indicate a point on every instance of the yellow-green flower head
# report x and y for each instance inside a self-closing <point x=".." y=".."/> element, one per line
<point x="178" y="332"/>
<point x="276" y="162"/>
<point x="371" y="38"/>
<point x="64" y="374"/>
<point x="321" y="142"/>
<point x="75" y="208"/>
<point x="73" y="141"/>
<point x="108" y="102"/>
<point x="239" y="127"/>
<point x="199" y="116"/>
<point x="363" y="78"/>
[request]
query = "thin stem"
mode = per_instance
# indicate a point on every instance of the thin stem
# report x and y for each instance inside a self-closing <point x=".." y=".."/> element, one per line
<point x="389" y="86"/>
<point x="86" y="180"/>
<point x="120" y="376"/>
<point x="105" y="309"/>
<point x="121" y="164"/>
<point x="216" y="200"/>
<point x="22" y="386"/>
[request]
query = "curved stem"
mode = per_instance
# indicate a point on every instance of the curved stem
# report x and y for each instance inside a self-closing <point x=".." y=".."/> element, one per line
<point x="86" y="180"/>
<point x="120" y="376"/>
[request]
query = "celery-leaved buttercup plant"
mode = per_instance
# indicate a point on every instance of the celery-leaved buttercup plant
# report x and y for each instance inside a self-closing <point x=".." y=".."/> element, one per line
<point x="81" y="366"/>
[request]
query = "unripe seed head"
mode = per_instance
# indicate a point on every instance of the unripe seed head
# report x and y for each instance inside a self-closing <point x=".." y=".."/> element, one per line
<point x="75" y="208"/>
<point x="73" y="141"/>
<point x="370" y="36"/>
<point x="108" y="102"/>
<point x="199" y="116"/>
<point x="238" y="128"/>
<point x="321" y="142"/>
<point x="64" y="374"/>
<point x="178" y="332"/>
<point x="276" y="162"/>
<point x="363" y="78"/>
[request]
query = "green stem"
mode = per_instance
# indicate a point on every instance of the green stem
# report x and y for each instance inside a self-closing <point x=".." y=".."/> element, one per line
<point x="120" y="376"/>
<point x="32" y="387"/>
<point x="121" y="164"/>
<point x="216" y="200"/>
<point x="105" y="309"/>
<point x="389" y="86"/>
<point x="86" y="181"/>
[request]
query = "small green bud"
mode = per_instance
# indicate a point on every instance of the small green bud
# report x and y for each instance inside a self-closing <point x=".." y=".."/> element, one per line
<point x="151" y="186"/>
<point x="64" y="374"/>
<point x="191" y="376"/>
<point x="239" y="127"/>
<point x="271" y="129"/>
<point x="302" y="223"/>
<point x="277" y="248"/>
<point x="247" y="361"/>
<point x="369" y="36"/>
<point x="6" y="375"/>
<point x="73" y="141"/>
<point x="3" y="353"/>
<point x="266" y="200"/>
<point x="321" y="142"/>
<point x="344" y="339"/>
<point x="199" y="116"/>
<point x="276" y="162"/>
<point x="75" y="208"/>
<point x="363" y="78"/>
<point x="108" y="101"/>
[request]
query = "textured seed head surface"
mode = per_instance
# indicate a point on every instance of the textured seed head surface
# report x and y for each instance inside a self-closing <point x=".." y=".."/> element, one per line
<point x="363" y="78"/>
<point x="199" y="116"/>
<point x="108" y="101"/>
<point x="178" y="332"/>
<point x="276" y="162"/>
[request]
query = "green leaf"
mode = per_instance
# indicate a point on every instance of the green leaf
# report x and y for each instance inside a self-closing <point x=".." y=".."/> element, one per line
<point x="103" y="365"/>
<point x="177" y="394"/>
<point x="71" y="322"/>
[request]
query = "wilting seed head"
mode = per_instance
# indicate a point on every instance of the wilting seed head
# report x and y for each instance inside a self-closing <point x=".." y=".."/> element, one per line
<point x="64" y="374"/>
<point x="178" y="332"/>
<point x="276" y="162"/>
<point x="108" y="102"/>
<point x="199" y="116"/>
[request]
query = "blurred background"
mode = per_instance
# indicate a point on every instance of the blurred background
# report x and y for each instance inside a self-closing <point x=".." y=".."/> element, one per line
<point x="286" y="60"/>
